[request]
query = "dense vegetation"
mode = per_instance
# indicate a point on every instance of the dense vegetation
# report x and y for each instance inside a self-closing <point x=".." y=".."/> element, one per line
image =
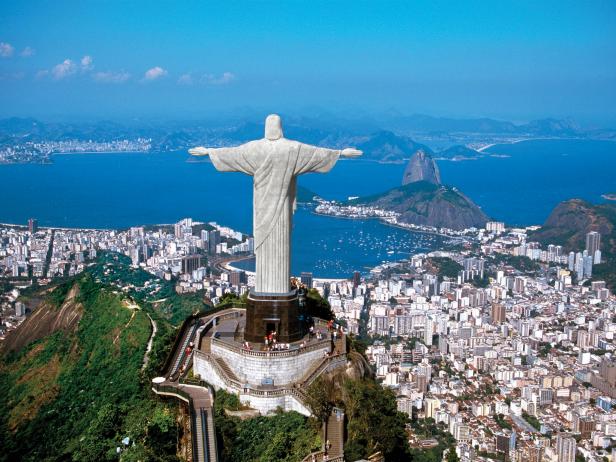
<point x="76" y="395"/>
<point x="429" y="429"/>
<point x="367" y="405"/>
<point x="520" y="263"/>
<point x="444" y="267"/>
<point x="568" y="224"/>
<point x="286" y="437"/>
<point x="375" y="424"/>
<point x="317" y="306"/>
<point x="532" y="420"/>
<point x="116" y="270"/>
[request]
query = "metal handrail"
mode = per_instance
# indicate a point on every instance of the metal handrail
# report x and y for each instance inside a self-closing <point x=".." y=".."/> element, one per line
<point x="279" y="354"/>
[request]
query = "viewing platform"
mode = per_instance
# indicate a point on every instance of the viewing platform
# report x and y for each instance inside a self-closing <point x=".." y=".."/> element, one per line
<point x="265" y="376"/>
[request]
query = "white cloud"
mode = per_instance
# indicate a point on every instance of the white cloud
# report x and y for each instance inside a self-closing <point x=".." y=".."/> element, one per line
<point x="87" y="63"/>
<point x="154" y="73"/>
<point x="111" y="77"/>
<point x="222" y="79"/>
<point x="27" y="52"/>
<point x="64" y="69"/>
<point x="6" y="50"/>
<point x="185" y="79"/>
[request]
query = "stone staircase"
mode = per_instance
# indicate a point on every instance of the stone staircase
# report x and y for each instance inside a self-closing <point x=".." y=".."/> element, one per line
<point x="227" y="370"/>
<point x="335" y="433"/>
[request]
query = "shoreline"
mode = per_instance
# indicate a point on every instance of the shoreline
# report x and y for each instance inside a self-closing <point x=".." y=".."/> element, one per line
<point x="393" y="225"/>
<point x="100" y="152"/>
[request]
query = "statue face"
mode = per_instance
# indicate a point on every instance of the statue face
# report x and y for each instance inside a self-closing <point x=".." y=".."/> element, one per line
<point x="273" y="127"/>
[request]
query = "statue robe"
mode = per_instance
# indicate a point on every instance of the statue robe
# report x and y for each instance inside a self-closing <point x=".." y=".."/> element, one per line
<point x="274" y="165"/>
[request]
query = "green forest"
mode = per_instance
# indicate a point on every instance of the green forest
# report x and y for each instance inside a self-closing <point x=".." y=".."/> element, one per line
<point x="75" y="395"/>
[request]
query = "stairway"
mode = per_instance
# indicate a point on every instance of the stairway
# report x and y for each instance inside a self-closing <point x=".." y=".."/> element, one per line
<point x="227" y="370"/>
<point x="335" y="433"/>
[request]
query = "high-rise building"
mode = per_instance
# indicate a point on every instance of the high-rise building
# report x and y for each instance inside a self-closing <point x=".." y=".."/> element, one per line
<point x="502" y="442"/>
<point x="593" y="242"/>
<point x="588" y="260"/>
<point x="497" y="227"/>
<point x="422" y="383"/>
<point x="565" y="447"/>
<point x="237" y="278"/>
<point x="306" y="279"/>
<point x="213" y="240"/>
<point x="498" y="313"/>
<point x="356" y="278"/>
<point x="33" y="225"/>
<point x="190" y="263"/>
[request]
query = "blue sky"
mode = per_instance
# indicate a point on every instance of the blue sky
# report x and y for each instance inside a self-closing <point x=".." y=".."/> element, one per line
<point x="516" y="60"/>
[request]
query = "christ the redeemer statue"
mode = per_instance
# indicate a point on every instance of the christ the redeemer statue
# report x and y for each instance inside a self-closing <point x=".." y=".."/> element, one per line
<point x="274" y="162"/>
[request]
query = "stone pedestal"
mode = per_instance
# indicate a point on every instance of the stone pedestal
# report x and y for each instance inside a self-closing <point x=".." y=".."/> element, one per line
<point x="267" y="313"/>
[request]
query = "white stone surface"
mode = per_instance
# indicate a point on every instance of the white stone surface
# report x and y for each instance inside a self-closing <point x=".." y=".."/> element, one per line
<point x="268" y="405"/>
<point x="274" y="162"/>
<point x="282" y="370"/>
<point x="264" y="404"/>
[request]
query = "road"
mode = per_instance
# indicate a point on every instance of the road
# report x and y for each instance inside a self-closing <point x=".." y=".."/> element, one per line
<point x="523" y="424"/>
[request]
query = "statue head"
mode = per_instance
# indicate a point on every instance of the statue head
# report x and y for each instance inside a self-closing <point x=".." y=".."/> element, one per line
<point x="273" y="127"/>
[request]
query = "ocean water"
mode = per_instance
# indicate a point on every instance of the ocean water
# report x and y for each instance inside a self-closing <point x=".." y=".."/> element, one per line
<point x="126" y="189"/>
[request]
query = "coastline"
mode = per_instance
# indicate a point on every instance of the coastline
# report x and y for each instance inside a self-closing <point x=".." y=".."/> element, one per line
<point x="393" y="225"/>
<point x="100" y="152"/>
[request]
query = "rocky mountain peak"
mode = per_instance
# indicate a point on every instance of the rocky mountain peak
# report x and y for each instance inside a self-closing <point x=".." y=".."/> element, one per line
<point x="421" y="167"/>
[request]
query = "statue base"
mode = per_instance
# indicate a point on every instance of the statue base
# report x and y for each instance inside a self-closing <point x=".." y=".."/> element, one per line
<point x="267" y="313"/>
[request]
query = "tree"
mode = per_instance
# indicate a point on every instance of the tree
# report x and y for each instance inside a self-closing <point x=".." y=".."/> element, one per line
<point x="369" y="406"/>
<point x="452" y="455"/>
<point x="317" y="306"/>
<point x="321" y="399"/>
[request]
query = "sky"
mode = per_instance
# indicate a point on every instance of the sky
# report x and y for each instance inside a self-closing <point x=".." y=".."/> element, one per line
<point x="514" y="60"/>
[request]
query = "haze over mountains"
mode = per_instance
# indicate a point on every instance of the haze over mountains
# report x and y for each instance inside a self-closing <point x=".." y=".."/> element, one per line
<point x="389" y="139"/>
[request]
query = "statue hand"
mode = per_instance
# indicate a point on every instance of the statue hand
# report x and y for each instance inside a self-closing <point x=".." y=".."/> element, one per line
<point x="200" y="151"/>
<point x="351" y="152"/>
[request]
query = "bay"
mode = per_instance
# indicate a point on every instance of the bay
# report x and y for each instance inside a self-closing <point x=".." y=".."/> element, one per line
<point x="126" y="189"/>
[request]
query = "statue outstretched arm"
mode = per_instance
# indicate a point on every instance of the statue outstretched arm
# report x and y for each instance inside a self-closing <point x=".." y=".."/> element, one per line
<point x="226" y="159"/>
<point x="320" y="160"/>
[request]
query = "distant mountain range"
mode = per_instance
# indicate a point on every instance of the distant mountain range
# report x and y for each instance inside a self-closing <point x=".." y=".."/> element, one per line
<point x="394" y="142"/>
<point x="419" y="123"/>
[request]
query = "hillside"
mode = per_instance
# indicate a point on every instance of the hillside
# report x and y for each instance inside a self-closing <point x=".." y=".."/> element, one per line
<point x="459" y="152"/>
<point x="424" y="203"/>
<point x="568" y="224"/>
<point x="60" y="311"/>
<point x="385" y="146"/>
<point x="78" y="389"/>
<point x="570" y="220"/>
<point x="305" y="195"/>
